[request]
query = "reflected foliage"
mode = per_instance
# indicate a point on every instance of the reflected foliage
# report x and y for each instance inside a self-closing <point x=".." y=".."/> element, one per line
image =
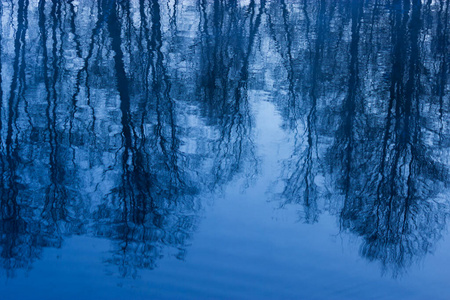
<point x="117" y="117"/>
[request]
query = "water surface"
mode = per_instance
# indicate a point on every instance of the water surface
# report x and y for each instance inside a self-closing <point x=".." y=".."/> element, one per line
<point x="224" y="149"/>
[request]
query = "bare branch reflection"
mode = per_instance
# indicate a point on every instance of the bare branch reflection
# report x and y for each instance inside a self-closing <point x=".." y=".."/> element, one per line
<point x="119" y="118"/>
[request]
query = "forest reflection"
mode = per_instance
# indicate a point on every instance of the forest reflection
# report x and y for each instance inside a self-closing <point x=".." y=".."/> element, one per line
<point x="117" y="116"/>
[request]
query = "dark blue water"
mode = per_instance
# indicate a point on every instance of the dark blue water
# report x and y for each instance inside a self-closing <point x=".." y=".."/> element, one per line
<point x="196" y="149"/>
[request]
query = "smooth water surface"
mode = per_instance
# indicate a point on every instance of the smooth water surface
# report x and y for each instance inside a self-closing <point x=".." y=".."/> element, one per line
<point x="203" y="149"/>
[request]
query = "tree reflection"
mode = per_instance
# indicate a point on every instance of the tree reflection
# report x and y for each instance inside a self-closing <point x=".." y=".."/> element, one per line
<point x="226" y="50"/>
<point x="116" y="117"/>
<point x="151" y="206"/>
<point x="398" y="216"/>
<point x="384" y="158"/>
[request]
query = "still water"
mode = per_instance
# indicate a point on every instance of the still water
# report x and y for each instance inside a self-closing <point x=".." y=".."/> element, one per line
<point x="250" y="149"/>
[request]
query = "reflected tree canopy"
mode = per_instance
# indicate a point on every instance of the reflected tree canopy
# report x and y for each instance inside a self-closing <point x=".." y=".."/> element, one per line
<point x="118" y="117"/>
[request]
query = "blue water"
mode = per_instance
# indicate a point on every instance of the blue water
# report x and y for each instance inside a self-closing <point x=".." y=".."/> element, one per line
<point x="224" y="149"/>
